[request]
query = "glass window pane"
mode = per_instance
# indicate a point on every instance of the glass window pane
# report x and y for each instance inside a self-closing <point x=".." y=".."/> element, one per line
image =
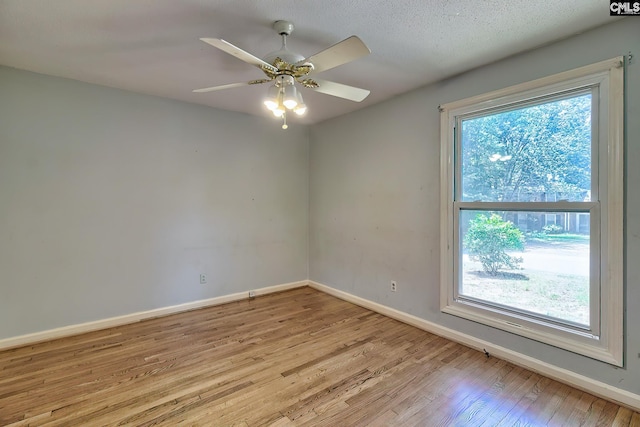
<point x="538" y="153"/>
<point x="535" y="262"/>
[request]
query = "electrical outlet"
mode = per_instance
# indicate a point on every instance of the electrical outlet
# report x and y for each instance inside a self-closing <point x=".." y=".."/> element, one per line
<point x="252" y="294"/>
<point x="394" y="286"/>
<point x="203" y="279"/>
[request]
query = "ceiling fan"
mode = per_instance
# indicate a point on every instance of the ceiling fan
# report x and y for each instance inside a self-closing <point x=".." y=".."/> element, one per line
<point x="284" y="68"/>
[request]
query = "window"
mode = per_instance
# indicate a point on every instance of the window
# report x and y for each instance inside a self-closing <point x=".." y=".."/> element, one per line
<point x="532" y="210"/>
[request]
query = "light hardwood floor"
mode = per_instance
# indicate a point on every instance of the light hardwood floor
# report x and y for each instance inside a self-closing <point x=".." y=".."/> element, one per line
<point x="299" y="357"/>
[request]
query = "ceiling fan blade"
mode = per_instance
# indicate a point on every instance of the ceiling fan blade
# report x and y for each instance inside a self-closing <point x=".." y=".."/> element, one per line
<point x="239" y="53"/>
<point x="214" y="88"/>
<point x="341" y="91"/>
<point x="340" y="53"/>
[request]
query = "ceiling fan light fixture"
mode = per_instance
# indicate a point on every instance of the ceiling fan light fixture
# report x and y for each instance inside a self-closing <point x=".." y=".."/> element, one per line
<point x="271" y="101"/>
<point x="279" y="111"/>
<point x="270" y="104"/>
<point x="301" y="108"/>
<point x="290" y="98"/>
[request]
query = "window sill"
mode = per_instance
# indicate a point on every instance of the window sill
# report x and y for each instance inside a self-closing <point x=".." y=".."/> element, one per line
<point x="568" y="339"/>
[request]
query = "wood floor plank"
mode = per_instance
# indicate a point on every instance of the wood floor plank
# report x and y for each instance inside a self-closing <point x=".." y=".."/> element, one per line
<point x="514" y="392"/>
<point x="522" y="406"/>
<point x="295" y="358"/>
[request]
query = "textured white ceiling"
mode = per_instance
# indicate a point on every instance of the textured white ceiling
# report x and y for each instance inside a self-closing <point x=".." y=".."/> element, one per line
<point x="152" y="46"/>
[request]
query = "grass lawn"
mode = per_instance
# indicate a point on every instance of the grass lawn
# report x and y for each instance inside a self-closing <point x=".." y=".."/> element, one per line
<point x="557" y="238"/>
<point x="554" y="282"/>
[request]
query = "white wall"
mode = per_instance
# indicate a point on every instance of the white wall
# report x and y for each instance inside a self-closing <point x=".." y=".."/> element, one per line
<point x="113" y="203"/>
<point x="374" y="196"/>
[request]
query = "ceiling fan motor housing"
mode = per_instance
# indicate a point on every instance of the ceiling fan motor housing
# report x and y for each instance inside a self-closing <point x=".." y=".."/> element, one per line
<point x="284" y="54"/>
<point x="284" y="80"/>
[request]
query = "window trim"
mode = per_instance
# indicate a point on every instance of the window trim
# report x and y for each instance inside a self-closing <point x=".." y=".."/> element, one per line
<point x="608" y="345"/>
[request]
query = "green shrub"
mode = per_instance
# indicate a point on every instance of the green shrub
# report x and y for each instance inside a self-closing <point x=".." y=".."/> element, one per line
<point x="488" y="239"/>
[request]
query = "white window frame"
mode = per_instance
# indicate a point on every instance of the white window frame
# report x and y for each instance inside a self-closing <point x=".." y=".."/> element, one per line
<point x="604" y="341"/>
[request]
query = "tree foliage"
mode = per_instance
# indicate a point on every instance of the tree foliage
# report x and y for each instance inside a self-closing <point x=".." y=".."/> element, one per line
<point x="488" y="239"/>
<point x="523" y="154"/>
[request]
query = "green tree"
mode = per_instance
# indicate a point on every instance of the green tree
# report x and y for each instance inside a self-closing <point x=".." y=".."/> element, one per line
<point x="488" y="239"/>
<point x="525" y="153"/>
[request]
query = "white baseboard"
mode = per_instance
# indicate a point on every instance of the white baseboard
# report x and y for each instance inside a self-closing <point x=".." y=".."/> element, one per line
<point x="136" y="317"/>
<point x="597" y="388"/>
